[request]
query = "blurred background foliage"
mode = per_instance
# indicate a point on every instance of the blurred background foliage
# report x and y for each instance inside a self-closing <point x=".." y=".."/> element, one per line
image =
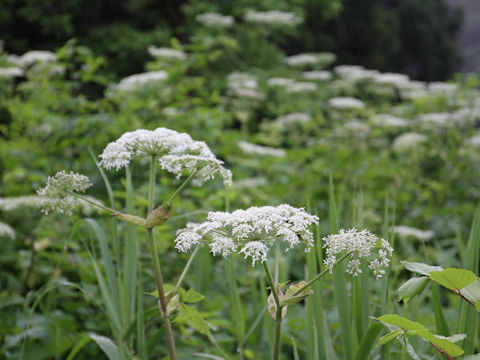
<point x="418" y="38"/>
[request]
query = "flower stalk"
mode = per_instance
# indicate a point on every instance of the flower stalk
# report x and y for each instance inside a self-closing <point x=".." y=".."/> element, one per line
<point x="156" y="267"/>
<point x="278" y="313"/>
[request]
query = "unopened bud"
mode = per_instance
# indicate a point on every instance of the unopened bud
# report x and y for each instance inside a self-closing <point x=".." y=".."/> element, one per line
<point x="131" y="219"/>
<point x="159" y="216"/>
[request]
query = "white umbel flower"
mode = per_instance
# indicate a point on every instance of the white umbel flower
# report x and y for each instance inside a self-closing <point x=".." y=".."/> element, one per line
<point x="20" y="202"/>
<point x="273" y="18"/>
<point x="7" y="231"/>
<point x="407" y="141"/>
<point x="134" y="82"/>
<point x="301" y="86"/>
<point x="406" y="231"/>
<point x="355" y="72"/>
<point x="215" y="20"/>
<point x="361" y="245"/>
<point x="177" y="153"/>
<point x="387" y="120"/>
<point x="278" y="81"/>
<point x="167" y="53"/>
<point x="317" y="75"/>
<point x="293" y="118"/>
<point x="57" y="194"/>
<point x="253" y="149"/>
<point x="346" y="103"/>
<point x="11" y="72"/>
<point x="250" y="232"/>
<point x="34" y="56"/>
<point x="474" y="141"/>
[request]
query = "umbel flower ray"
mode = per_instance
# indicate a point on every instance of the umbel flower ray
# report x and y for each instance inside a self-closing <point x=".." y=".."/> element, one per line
<point x="176" y="152"/>
<point x="250" y="232"/>
<point x="359" y="244"/>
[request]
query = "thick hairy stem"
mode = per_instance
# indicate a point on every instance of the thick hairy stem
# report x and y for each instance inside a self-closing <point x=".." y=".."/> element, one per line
<point x="156" y="267"/>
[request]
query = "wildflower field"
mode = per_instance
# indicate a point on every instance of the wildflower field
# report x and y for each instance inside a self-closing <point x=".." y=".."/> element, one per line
<point x="233" y="201"/>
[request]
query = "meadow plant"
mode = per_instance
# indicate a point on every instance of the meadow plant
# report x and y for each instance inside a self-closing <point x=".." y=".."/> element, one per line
<point x="174" y="152"/>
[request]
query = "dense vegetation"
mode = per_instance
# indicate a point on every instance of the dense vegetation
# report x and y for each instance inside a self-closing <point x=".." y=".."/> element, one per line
<point x="358" y="148"/>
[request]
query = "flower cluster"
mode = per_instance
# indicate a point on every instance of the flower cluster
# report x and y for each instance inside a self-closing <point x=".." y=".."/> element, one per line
<point x="387" y="120"/>
<point x="11" y="72"/>
<point x="278" y="81"/>
<point x="167" y="53"/>
<point x="310" y="59"/>
<point x="6" y="231"/>
<point x="300" y="86"/>
<point x="293" y="118"/>
<point x="406" y="231"/>
<point x="360" y="245"/>
<point x="176" y="152"/>
<point x="407" y="141"/>
<point x="391" y="79"/>
<point x="274" y="18"/>
<point x="32" y="57"/>
<point x="20" y="202"/>
<point x="436" y="119"/>
<point x="346" y="103"/>
<point x="253" y="149"/>
<point x="58" y="194"/>
<point x="321" y="75"/>
<point x="215" y="20"/>
<point x="134" y="82"/>
<point x="250" y="232"/>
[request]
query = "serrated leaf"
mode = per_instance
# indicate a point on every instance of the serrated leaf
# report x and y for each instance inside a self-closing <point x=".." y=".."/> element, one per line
<point x="390" y="336"/>
<point x="411" y="288"/>
<point x="472" y="293"/>
<point x="453" y="279"/>
<point x="191" y="296"/>
<point x="420" y="268"/>
<point x="107" y="346"/>
<point x="192" y="317"/>
<point x="290" y="299"/>
<point x="401" y="322"/>
<point x="272" y="307"/>
<point x="446" y="345"/>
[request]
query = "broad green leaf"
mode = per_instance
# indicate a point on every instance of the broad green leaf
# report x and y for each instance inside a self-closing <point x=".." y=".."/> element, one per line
<point x="191" y="296"/>
<point x="472" y="292"/>
<point x="453" y="279"/>
<point x="420" y="268"/>
<point x="401" y="322"/>
<point x="441" y="342"/>
<point x="107" y="346"/>
<point x="411" y="288"/>
<point x="390" y="336"/>
<point x="192" y="317"/>
<point x="290" y="299"/>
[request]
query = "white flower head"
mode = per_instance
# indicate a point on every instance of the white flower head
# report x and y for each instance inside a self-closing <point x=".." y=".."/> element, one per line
<point x="278" y="81"/>
<point x="6" y="231"/>
<point x="253" y="149"/>
<point x="167" y="53"/>
<point x="250" y="232"/>
<point x="300" y="86"/>
<point x="34" y="56"/>
<point x="11" y="72"/>
<point x="406" y="231"/>
<point x="317" y="75"/>
<point x="293" y="118"/>
<point x="20" y="202"/>
<point x="273" y="18"/>
<point x="137" y="81"/>
<point x="215" y="20"/>
<point x="346" y="103"/>
<point x="177" y="153"/>
<point x="57" y="194"/>
<point x="361" y="244"/>
<point x="407" y="141"/>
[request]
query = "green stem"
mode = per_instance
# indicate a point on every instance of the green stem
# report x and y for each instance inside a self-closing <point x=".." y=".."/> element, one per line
<point x="156" y="266"/>
<point x="309" y="283"/>
<point x="187" y="266"/>
<point x="180" y="188"/>
<point x="81" y="197"/>
<point x="278" y="314"/>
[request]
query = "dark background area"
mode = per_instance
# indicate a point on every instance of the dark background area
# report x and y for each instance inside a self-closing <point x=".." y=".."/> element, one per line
<point x="419" y="38"/>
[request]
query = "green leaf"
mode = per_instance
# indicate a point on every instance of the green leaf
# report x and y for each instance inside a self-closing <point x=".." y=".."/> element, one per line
<point x="453" y="279"/>
<point x="472" y="292"/>
<point x="190" y="296"/>
<point x="290" y="299"/>
<point x="107" y="346"/>
<point x="390" y="336"/>
<point x="443" y="343"/>
<point x="401" y="322"/>
<point x="411" y="288"/>
<point x="368" y="340"/>
<point x="440" y="321"/>
<point x="192" y="317"/>
<point x="420" y="268"/>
